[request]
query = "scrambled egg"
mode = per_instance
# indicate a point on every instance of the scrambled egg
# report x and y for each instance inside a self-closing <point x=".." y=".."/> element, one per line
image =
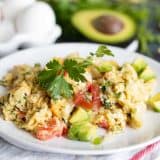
<point x="29" y="106"/>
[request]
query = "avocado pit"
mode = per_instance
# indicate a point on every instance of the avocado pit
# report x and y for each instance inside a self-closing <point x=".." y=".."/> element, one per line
<point x="108" y="24"/>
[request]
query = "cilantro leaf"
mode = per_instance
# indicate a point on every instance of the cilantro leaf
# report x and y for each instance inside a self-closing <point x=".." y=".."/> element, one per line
<point x="54" y="65"/>
<point x="75" y="69"/>
<point x="103" y="50"/>
<point x="51" y="79"/>
<point x="47" y="75"/>
<point x="107" y="103"/>
<point x="60" y="87"/>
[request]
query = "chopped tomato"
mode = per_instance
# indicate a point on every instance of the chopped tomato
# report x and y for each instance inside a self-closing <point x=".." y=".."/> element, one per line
<point x="95" y="90"/>
<point x="65" y="130"/>
<point x="65" y="73"/>
<point x="81" y="100"/>
<point x="95" y="103"/>
<point x="54" y="128"/>
<point x="103" y="124"/>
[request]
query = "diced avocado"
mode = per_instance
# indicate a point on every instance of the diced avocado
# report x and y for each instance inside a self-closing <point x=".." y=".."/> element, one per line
<point x="156" y="106"/>
<point x="79" y="115"/>
<point x="107" y="66"/>
<point x="139" y="65"/>
<point x="82" y="131"/>
<point x="98" y="140"/>
<point x="147" y="74"/>
<point x="88" y="132"/>
<point x="154" y="102"/>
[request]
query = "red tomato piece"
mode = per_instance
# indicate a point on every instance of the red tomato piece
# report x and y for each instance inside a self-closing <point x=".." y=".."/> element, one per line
<point x="65" y="73"/>
<point x="65" y="130"/>
<point x="103" y="124"/>
<point x="54" y="128"/>
<point x="44" y="133"/>
<point x="95" y="103"/>
<point x="80" y="99"/>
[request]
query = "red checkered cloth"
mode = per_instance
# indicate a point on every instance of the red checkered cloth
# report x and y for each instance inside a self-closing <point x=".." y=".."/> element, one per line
<point x="147" y="151"/>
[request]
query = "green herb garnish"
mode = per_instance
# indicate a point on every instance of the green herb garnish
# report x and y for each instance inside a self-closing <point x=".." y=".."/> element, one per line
<point x="107" y="103"/>
<point x="60" y="87"/>
<point x="52" y="77"/>
<point x="75" y="69"/>
<point x="101" y="51"/>
<point x="118" y="94"/>
<point x="105" y="86"/>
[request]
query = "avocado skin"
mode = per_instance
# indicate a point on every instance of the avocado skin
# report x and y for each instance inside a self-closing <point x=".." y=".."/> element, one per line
<point x="82" y="21"/>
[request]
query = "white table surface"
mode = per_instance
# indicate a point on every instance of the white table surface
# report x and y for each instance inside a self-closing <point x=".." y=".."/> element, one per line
<point x="11" y="152"/>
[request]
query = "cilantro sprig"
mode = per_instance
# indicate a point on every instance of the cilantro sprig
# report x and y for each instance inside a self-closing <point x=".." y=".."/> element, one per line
<point x="52" y="77"/>
<point x="101" y="51"/>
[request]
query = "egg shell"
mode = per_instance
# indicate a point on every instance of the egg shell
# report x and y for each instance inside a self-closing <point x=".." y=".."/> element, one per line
<point x="11" y="8"/>
<point x="36" y="20"/>
<point x="6" y="30"/>
<point x="1" y="11"/>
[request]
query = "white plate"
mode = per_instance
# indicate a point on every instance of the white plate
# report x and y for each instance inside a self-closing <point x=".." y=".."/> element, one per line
<point x="128" y="140"/>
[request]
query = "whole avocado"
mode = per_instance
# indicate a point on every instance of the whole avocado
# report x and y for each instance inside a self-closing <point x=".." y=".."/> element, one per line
<point x="102" y="25"/>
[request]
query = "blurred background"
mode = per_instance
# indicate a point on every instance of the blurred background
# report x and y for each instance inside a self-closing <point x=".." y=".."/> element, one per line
<point x="116" y="22"/>
<point x="145" y="13"/>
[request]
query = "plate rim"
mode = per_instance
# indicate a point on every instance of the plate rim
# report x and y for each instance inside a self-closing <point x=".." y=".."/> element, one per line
<point x="35" y="147"/>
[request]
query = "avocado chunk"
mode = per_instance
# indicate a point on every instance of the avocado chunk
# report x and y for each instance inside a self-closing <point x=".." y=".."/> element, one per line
<point x="107" y="66"/>
<point x="82" y="131"/>
<point x="79" y="115"/>
<point x="154" y="102"/>
<point x="139" y="65"/>
<point x="147" y="74"/>
<point x="104" y="25"/>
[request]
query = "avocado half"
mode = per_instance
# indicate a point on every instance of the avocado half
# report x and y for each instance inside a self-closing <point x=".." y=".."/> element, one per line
<point x="83" y="21"/>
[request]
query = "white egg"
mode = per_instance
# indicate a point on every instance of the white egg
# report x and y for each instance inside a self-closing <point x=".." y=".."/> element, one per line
<point x="36" y="20"/>
<point x="1" y="11"/>
<point x="6" y="30"/>
<point x="12" y="7"/>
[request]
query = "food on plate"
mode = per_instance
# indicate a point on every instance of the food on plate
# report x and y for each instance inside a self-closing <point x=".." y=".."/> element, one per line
<point x="78" y="97"/>
<point x="103" y="25"/>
